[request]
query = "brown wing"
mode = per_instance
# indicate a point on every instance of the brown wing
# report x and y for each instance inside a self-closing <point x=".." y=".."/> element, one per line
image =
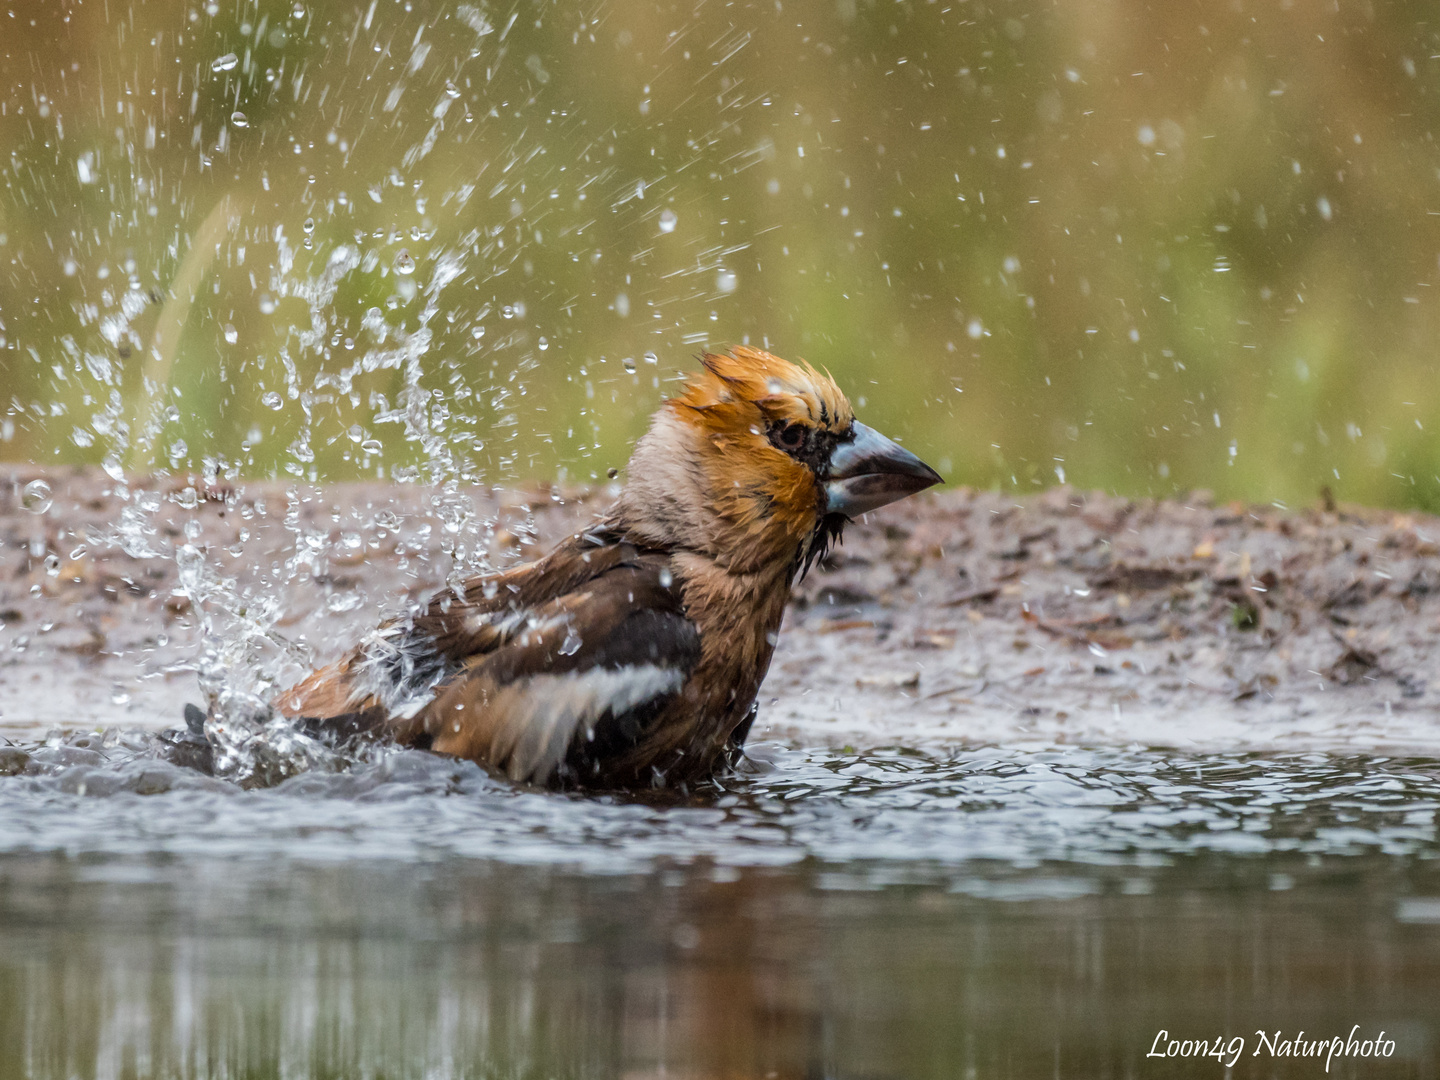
<point x="397" y="667"/>
<point x="541" y="672"/>
<point x="578" y="686"/>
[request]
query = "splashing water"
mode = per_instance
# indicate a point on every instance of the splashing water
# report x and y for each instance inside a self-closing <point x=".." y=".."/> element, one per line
<point x="36" y="497"/>
<point x="243" y="659"/>
<point x="241" y="654"/>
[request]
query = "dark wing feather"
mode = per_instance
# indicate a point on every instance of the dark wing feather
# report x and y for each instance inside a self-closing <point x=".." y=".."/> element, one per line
<point x="458" y="625"/>
<point x="579" y="684"/>
<point x="395" y="671"/>
<point x="543" y="671"/>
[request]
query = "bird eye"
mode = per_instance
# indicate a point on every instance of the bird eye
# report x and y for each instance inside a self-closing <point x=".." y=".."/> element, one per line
<point x="791" y="436"/>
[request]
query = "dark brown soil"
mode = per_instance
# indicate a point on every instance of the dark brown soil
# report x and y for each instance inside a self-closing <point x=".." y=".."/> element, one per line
<point x="965" y="617"/>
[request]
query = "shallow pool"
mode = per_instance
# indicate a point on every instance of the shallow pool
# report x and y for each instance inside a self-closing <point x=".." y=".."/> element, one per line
<point x="1018" y="912"/>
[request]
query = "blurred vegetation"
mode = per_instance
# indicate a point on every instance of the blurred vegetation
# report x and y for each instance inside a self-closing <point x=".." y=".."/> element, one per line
<point x="1141" y="247"/>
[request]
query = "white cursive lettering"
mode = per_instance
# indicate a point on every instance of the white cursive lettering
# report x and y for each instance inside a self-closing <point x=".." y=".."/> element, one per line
<point x="1338" y="1046"/>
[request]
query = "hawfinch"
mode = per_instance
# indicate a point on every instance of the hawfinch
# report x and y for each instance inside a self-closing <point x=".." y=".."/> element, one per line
<point x="631" y="655"/>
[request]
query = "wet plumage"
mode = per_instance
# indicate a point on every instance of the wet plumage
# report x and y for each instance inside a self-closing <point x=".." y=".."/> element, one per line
<point x="632" y="654"/>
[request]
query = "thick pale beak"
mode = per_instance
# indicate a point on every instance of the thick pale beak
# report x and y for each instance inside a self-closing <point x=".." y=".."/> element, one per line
<point x="871" y="471"/>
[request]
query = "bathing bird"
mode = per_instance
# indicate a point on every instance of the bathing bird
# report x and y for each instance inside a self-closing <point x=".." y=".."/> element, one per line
<point x="631" y="655"/>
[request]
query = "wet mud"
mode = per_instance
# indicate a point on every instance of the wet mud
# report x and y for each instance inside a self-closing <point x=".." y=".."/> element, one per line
<point x="960" y="617"/>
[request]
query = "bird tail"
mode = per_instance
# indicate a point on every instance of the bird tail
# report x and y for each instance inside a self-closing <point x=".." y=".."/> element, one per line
<point x="339" y="703"/>
<point x="323" y="693"/>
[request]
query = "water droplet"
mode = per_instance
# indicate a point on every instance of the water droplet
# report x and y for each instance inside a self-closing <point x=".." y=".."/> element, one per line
<point x="651" y="358"/>
<point x="404" y="264"/>
<point x="726" y="281"/>
<point x="477" y="332"/>
<point x="571" y="645"/>
<point x="52" y="565"/>
<point x="231" y="334"/>
<point x="309" y="225"/>
<point x="271" y="400"/>
<point x="543" y="344"/>
<point x="119" y="697"/>
<point x="451" y="90"/>
<point x="628" y="364"/>
<point x="239" y="119"/>
<point x="667" y="220"/>
<point x="224" y="63"/>
<point x="36" y="497"/>
<point x="267" y="304"/>
<point x="666" y="578"/>
<point x="507" y="312"/>
<point x="298" y="11"/>
<point x="371" y="446"/>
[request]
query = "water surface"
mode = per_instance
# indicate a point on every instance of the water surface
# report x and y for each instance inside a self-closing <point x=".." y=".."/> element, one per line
<point x="1014" y="911"/>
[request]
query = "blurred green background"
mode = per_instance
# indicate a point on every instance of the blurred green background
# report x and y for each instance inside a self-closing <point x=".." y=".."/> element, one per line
<point x="1139" y="247"/>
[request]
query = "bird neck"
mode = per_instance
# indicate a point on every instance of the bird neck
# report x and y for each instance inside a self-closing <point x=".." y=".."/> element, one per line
<point x="738" y="614"/>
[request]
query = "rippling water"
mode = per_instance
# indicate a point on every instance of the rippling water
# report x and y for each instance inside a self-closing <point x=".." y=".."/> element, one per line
<point x="885" y="815"/>
<point x="998" y="911"/>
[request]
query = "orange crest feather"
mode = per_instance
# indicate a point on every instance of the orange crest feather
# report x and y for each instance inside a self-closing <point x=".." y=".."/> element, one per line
<point x="750" y="385"/>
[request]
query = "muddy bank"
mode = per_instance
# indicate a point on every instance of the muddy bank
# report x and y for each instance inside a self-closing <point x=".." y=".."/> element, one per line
<point x="959" y="617"/>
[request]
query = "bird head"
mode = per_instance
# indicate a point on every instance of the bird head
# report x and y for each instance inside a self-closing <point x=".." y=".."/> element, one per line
<point x="761" y="462"/>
